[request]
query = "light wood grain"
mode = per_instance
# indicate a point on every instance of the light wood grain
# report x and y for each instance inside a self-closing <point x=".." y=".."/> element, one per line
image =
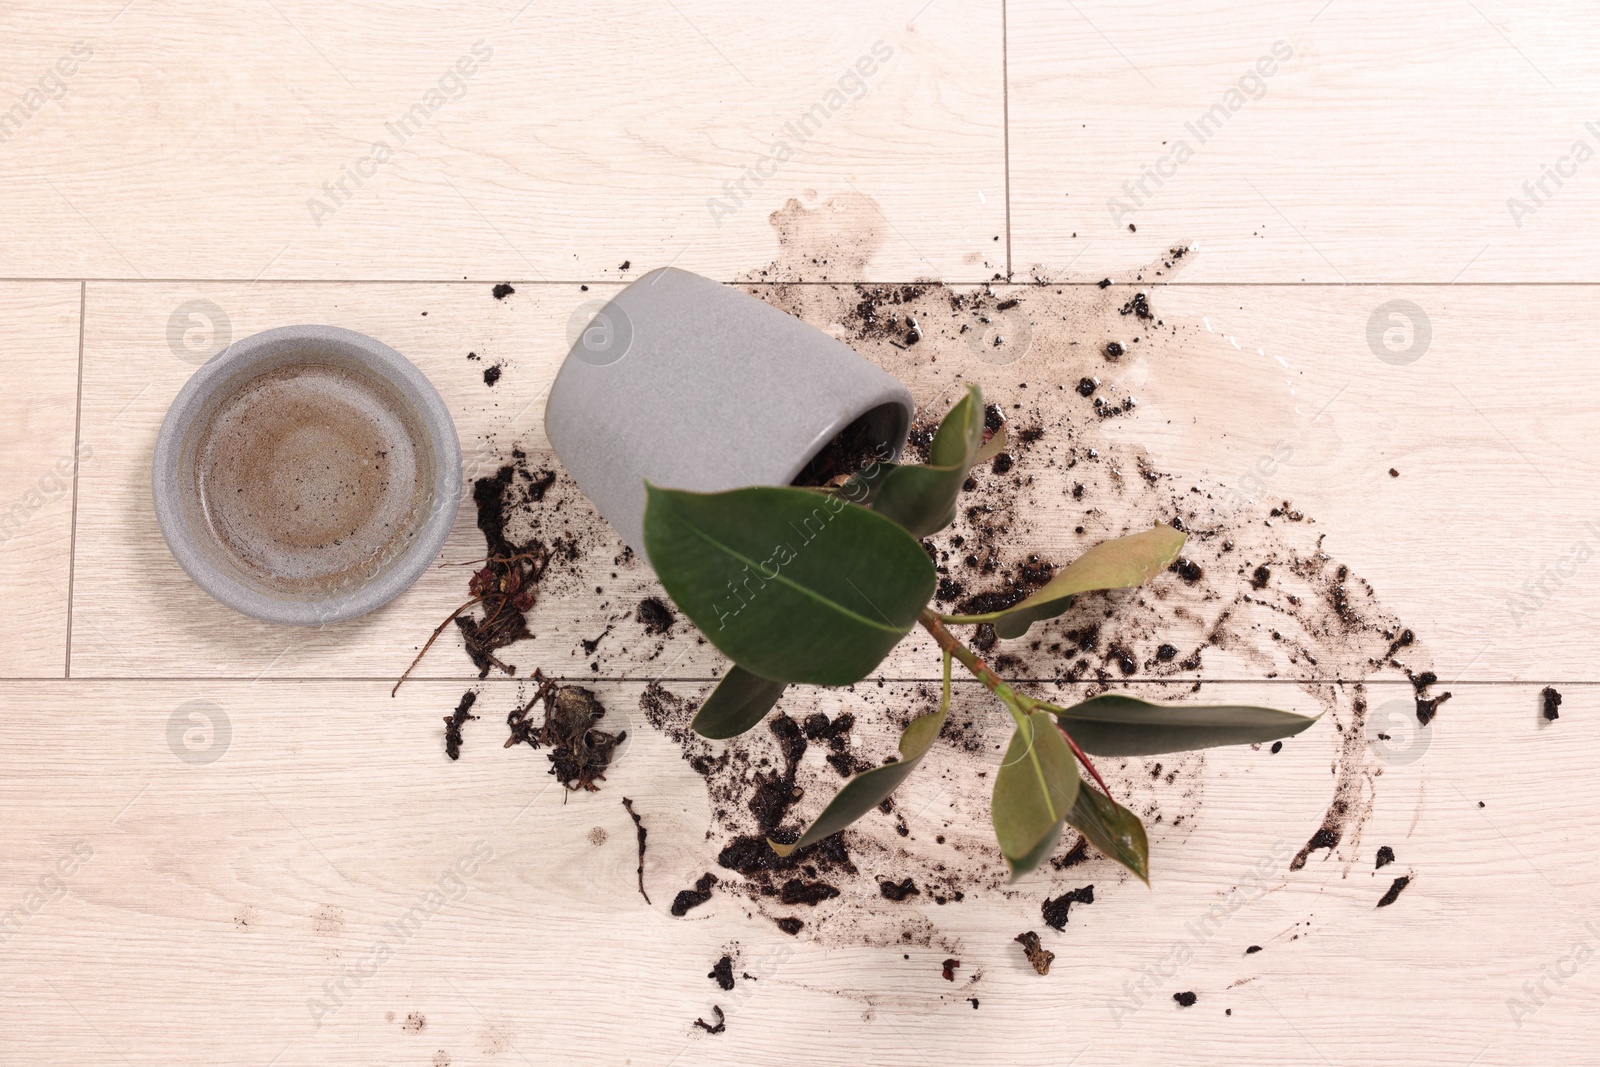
<point x="38" y="408"/>
<point x="1469" y="426"/>
<point x="1384" y="150"/>
<point x="212" y="899"/>
<point x="234" y="889"/>
<point x="578" y="144"/>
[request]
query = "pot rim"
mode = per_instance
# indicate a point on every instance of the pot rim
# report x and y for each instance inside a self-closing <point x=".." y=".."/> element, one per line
<point x="195" y="550"/>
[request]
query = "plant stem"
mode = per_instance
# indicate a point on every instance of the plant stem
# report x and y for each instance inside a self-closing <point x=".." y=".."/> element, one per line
<point x="1083" y="758"/>
<point x="971" y="620"/>
<point x="447" y="620"/>
<point x="934" y="624"/>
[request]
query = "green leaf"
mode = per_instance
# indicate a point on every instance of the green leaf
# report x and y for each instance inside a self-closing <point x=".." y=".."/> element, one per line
<point x="1035" y="788"/>
<point x="862" y="486"/>
<point x="1112" y="829"/>
<point x="790" y="584"/>
<point x="1116" y="564"/>
<point x="738" y="702"/>
<point x="868" y="789"/>
<point x="923" y="498"/>
<point x="960" y="435"/>
<point x="1114" y="725"/>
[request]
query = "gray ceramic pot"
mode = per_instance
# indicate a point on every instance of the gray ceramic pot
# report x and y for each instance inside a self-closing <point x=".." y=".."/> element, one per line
<point x="692" y="384"/>
<point x="422" y="518"/>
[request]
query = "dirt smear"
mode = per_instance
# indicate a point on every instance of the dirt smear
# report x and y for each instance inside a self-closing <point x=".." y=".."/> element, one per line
<point x="1255" y="596"/>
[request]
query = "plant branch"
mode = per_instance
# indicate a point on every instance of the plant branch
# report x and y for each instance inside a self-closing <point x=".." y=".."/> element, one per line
<point x="1083" y="758"/>
<point x="971" y="620"/>
<point x="947" y="642"/>
<point x="933" y="622"/>
<point x="448" y="619"/>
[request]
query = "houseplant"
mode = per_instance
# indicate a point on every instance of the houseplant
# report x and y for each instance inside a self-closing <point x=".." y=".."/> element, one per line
<point x="800" y="585"/>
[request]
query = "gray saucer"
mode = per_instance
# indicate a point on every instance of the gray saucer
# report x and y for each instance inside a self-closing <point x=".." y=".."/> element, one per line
<point x="208" y="562"/>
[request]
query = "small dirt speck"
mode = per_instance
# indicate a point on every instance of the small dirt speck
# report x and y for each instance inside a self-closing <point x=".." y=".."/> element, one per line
<point x="1395" y="890"/>
<point x="656" y="616"/>
<point x="693" y="898"/>
<point x="1552" y="701"/>
<point x="722" y="972"/>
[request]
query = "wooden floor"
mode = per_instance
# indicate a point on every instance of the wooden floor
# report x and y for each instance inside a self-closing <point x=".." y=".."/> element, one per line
<point x="206" y="823"/>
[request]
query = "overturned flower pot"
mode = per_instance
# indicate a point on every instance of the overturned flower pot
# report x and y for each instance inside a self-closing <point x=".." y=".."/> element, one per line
<point x="685" y="382"/>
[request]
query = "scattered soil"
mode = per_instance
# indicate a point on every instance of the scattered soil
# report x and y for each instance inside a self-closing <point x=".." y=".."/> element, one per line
<point x="1385" y="857"/>
<point x="1037" y="954"/>
<point x="1395" y="890"/>
<point x="722" y="972"/>
<point x="1428" y="707"/>
<point x="1185" y="1000"/>
<point x="851" y="450"/>
<point x="638" y="825"/>
<point x="491" y="374"/>
<point x="1258" y="596"/>
<point x="898" y="890"/>
<point x="1252" y="950"/>
<point x="503" y="290"/>
<point x="1055" y="911"/>
<point x="798" y="891"/>
<point x="693" y="898"/>
<point x="655" y="615"/>
<point x="580" y="751"/>
<point x="453" y="722"/>
<point x="506" y="587"/>
<point x="1551" y="701"/>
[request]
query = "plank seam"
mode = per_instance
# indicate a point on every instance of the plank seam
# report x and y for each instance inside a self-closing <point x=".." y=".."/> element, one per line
<point x="1374" y="283"/>
<point x="1005" y="120"/>
<point x="77" y="443"/>
<point x="707" y="680"/>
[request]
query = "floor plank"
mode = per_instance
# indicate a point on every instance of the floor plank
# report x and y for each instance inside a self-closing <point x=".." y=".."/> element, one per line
<point x="545" y="143"/>
<point x="240" y="867"/>
<point x="1338" y="159"/>
<point x="213" y="820"/>
<point x="38" y="410"/>
<point x="1493" y="598"/>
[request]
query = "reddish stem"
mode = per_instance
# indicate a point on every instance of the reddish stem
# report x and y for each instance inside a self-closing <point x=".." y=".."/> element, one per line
<point x="431" y="640"/>
<point x="948" y="643"/>
<point x="1083" y="759"/>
